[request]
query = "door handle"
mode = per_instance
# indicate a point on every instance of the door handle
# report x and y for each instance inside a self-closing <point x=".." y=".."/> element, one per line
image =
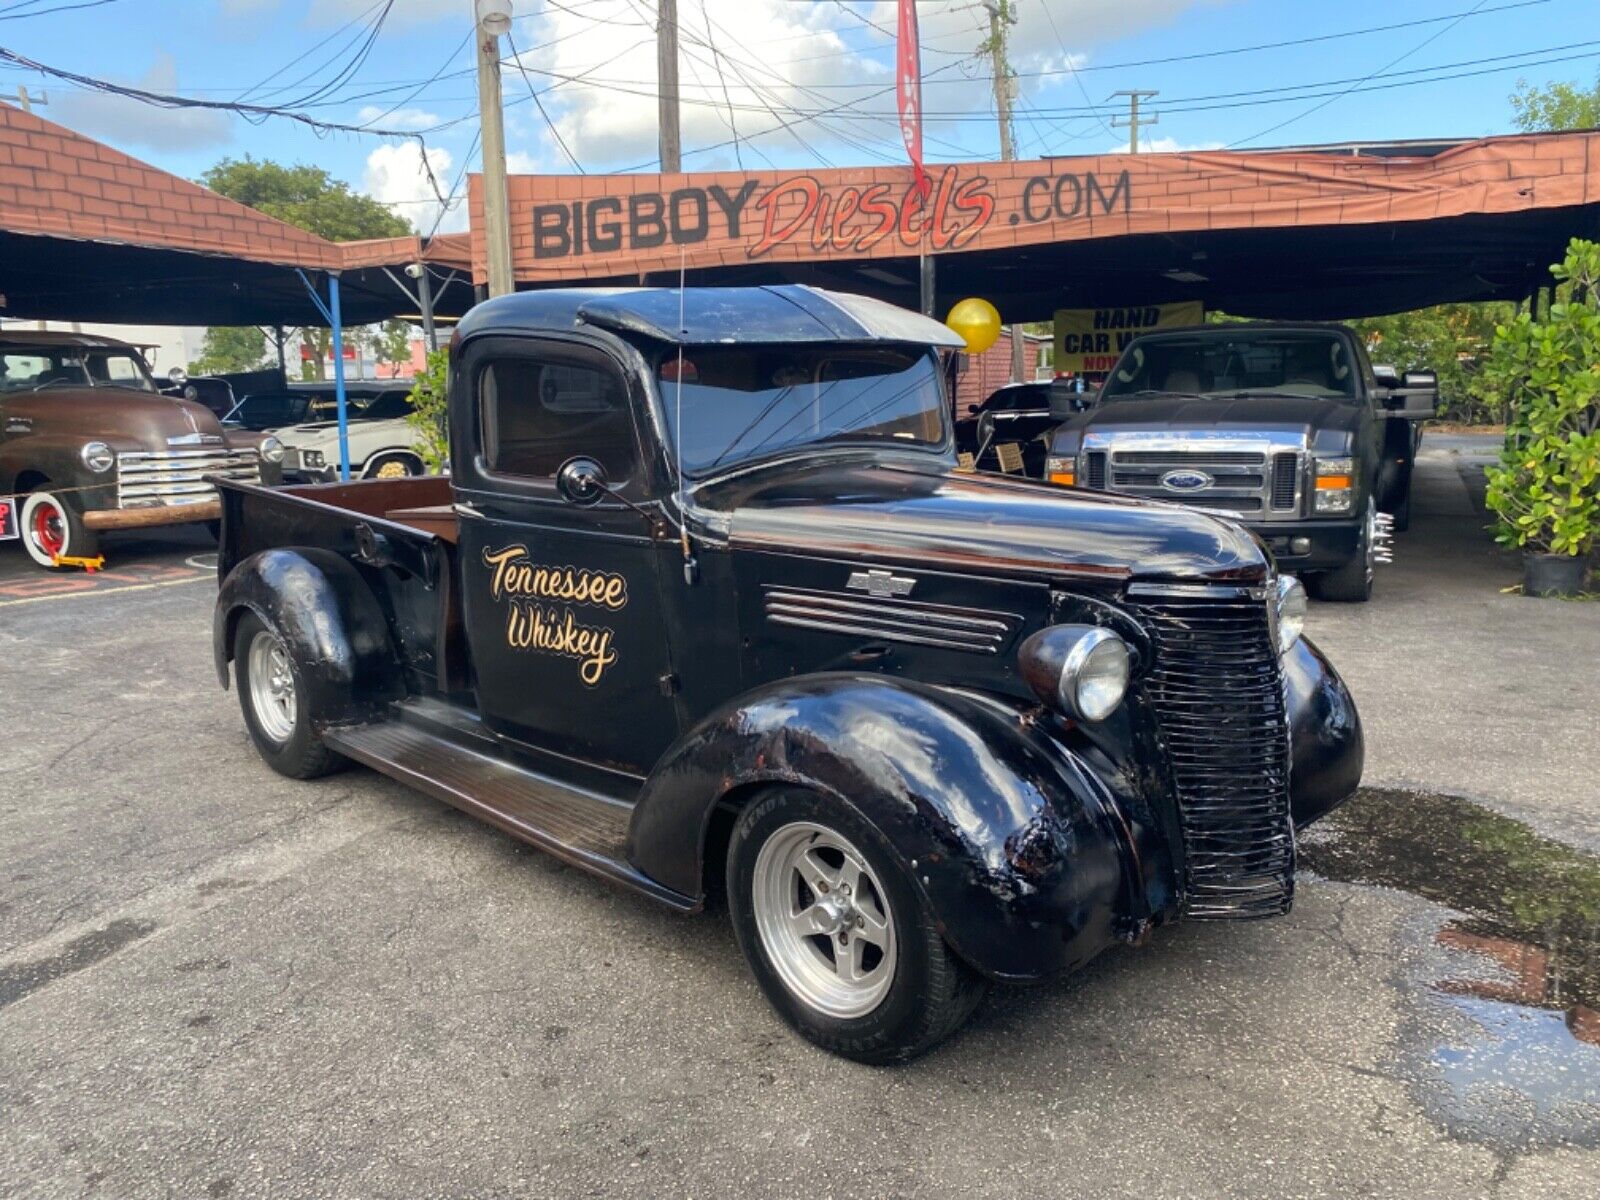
<point x="466" y="510"/>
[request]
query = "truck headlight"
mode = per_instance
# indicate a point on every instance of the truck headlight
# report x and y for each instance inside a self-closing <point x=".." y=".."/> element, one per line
<point x="271" y="449"/>
<point x="1291" y="612"/>
<point x="1336" y="480"/>
<point x="1061" y="470"/>
<point x="98" y="457"/>
<point x="311" y="459"/>
<point x="1080" y="669"/>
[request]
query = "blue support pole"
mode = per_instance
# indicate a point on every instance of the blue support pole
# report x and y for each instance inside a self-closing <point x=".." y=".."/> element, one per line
<point x="338" y="376"/>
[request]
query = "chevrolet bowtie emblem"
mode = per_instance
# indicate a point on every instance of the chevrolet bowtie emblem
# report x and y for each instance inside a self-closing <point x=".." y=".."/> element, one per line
<point x="881" y="584"/>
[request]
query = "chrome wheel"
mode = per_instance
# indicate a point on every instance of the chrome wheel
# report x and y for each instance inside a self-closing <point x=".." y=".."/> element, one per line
<point x="1372" y="541"/>
<point x="272" y="693"/>
<point x="824" y="920"/>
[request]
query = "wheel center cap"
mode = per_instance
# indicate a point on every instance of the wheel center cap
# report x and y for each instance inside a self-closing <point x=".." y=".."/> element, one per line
<point x="837" y="912"/>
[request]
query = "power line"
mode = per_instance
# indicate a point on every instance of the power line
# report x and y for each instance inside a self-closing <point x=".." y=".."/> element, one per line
<point x="554" y="132"/>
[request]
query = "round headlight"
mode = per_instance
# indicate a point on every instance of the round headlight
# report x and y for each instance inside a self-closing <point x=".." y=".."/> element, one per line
<point x="1291" y="612"/>
<point x="271" y="449"/>
<point x="1080" y="669"/>
<point x="98" y="457"/>
<point x="1096" y="675"/>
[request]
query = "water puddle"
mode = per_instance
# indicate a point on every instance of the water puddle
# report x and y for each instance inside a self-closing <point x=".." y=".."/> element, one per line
<point x="1505" y="1046"/>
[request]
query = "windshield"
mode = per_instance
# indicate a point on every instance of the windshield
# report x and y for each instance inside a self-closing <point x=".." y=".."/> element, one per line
<point x="389" y="404"/>
<point x="33" y="368"/>
<point x="1302" y="363"/>
<point x="744" y="402"/>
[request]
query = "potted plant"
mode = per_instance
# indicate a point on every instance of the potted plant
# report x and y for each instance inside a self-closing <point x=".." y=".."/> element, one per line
<point x="1545" y="491"/>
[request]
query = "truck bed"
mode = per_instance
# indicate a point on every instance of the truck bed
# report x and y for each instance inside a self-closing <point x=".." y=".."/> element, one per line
<point x="399" y="533"/>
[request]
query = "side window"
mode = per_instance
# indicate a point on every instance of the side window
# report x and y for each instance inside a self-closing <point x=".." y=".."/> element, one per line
<point x="539" y="411"/>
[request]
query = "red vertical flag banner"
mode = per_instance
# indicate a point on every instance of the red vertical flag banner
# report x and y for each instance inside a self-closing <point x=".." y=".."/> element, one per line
<point x="908" y="87"/>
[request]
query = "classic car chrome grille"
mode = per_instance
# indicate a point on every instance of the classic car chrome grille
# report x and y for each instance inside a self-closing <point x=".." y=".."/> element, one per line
<point x="977" y="631"/>
<point x="147" y="478"/>
<point x="1249" y="480"/>
<point x="1217" y="691"/>
<point x="1095" y="469"/>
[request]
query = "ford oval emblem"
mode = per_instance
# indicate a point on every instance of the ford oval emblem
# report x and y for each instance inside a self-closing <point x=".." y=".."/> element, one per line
<point x="1186" y="480"/>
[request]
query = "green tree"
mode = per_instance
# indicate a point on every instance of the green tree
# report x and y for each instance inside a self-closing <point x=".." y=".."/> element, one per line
<point x="230" y="348"/>
<point x="390" y="342"/>
<point x="307" y="197"/>
<point x="1546" y="489"/>
<point x="1556" y="106"/>
<point x="1450" y="339"/>
<point x="427" y="415"/>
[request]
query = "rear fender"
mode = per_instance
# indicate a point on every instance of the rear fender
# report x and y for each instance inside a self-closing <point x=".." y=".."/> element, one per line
<point x="1005" y="832"/>
<point x="329" y="620"/>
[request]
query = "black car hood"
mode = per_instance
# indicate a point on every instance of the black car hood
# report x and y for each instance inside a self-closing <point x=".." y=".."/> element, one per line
<point x="937" y="518"/>
<point x="1178" y="414"/>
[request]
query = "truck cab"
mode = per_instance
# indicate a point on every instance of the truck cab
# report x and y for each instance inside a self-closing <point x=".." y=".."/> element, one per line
<point x="1288" y="429"/>
<point x="706" y="605"/>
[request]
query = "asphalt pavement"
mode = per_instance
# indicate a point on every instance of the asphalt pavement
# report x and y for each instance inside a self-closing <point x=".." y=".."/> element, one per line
<point x="215" y="982"/>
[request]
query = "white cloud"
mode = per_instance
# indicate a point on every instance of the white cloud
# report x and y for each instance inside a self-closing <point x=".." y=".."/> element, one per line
<point x="1163" y="145"/>
<point x="126" y="122"/>
<point x="400" y="118"/>
<point x="394" y="175"/>
<point x="403" y="12"/>
<point x="776" y="56"/>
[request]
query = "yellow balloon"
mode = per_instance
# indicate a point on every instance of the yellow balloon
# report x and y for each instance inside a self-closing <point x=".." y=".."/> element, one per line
<point x="978" y="323"/>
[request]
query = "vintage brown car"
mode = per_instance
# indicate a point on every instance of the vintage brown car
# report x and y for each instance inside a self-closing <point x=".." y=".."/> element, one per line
<point x="88" y="445"/>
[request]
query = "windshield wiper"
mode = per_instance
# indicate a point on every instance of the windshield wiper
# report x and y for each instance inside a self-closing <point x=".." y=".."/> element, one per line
<point x="1157" y="392"/>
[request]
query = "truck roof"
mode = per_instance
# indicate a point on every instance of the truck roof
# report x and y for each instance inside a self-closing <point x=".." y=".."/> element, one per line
<point x="788" y="313"/>
<point x="1225" y="328"/>
<point x="54" y="337"/>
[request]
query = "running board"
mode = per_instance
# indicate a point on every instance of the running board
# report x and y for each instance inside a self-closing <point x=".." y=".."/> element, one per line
<point x="579" y="827"/>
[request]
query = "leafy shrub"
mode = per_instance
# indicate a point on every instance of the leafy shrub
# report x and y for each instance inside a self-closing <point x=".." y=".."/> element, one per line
<point x="427" y="415"/>
<point x="1546" y="489"/>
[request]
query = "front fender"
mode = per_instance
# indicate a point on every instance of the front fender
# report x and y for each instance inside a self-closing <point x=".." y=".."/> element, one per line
<point x="329" y="620"/>
<point x="1008" y="836"/>
<point x="1326" y="747"/>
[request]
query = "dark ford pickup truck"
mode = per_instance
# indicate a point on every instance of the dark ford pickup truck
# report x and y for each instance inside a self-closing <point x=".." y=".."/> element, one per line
<point x="1286" y="428"/>
<point x="706" y="605"/>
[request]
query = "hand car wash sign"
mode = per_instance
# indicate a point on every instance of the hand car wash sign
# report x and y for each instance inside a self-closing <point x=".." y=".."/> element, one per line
<point x="1091" y="339"/>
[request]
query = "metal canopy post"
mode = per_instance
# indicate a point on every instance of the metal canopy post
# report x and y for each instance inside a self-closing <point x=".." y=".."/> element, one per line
<point x="330" y="313"/>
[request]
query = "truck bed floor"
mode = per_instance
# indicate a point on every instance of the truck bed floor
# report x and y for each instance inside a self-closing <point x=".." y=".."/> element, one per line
<point x="579" y="827"/>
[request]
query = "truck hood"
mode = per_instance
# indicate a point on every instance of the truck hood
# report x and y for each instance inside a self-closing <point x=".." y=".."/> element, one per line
<point x="1183" y="414"/>
<point x="940" y="519"/>
<point x="121" y="416"/>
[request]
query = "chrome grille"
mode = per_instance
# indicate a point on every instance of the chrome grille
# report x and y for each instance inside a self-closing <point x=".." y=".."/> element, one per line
<point x="1095" y="473"/>
<point x="146" y="478"/>
<point x="1247" y="474"/>
<point x="977" y="631"/>
<point x="1217" y="691"/>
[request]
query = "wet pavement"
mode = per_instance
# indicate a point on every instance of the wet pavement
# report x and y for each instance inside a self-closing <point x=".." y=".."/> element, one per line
<point x="215" y="981"/>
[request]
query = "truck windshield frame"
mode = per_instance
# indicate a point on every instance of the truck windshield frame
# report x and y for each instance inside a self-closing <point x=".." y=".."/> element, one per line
<point x="749" y="403"/>
<point x="1316" y="364"/>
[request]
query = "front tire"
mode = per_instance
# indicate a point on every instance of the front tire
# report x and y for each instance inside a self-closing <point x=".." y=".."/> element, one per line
<point x="393" y="466"/>
<point x="838" y="937"/>
<point x="1352" y="583"/>
<point x="277" y="711"/>
<point x="51" y="527"/>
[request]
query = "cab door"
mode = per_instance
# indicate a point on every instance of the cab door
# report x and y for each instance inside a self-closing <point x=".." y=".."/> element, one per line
<point x="561" y="600"/>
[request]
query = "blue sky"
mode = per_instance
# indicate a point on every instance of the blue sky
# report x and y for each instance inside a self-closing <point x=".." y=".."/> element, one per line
<point x="781" y="61"/>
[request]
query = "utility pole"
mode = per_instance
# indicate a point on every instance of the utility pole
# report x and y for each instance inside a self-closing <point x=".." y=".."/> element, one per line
<point x="1134" y="120"/>
<point x="492" y="18"/>
<point x="1002" y="15"/>
<point x="28" y="101"/>
<point x="671" y="147"/>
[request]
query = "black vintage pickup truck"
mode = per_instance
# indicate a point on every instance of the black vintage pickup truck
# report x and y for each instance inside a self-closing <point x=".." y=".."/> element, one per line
<point x="706" y="606"/>
<point x="1289" y="429"/>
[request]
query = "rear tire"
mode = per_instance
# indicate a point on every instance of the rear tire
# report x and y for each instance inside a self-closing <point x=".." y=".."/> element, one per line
<point x="277" y="710"/>
<point x="791" y="859"/>
<point x="50" y="525"/>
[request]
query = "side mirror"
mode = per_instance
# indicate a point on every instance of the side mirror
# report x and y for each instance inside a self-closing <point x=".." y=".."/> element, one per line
<point x="581" y="481"/>
<point x="1386" y="375"/>
<point x="178" y="376"/>
<point x="1427" y="381"/>
<point x="1065" y="402"/>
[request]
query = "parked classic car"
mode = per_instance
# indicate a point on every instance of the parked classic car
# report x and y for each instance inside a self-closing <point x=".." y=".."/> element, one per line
<point x="89" y="445"/>
<point x="383" y="443"/>
<point x="1014" y="415"/>
<point x="1286" y="428"/>
<point x="706" y="605"/>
